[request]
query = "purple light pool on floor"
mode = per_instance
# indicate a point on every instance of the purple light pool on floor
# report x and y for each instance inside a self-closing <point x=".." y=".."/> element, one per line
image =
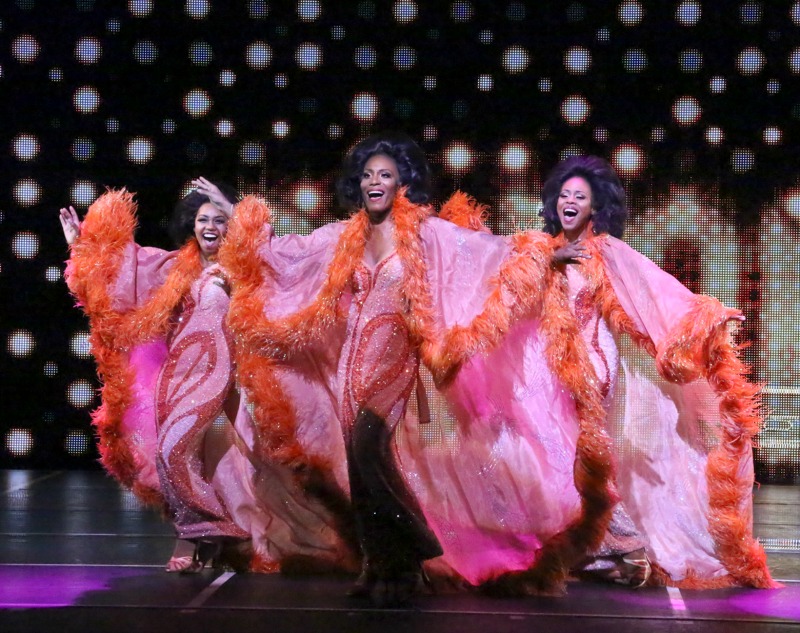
<point x="25" y="586"/>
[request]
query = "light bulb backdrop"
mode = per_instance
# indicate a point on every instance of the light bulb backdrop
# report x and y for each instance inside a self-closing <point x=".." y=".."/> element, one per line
<point x="696" y="106"/>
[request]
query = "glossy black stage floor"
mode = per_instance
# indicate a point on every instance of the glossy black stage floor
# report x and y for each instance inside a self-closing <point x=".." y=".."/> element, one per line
<point x="79" y="554"/>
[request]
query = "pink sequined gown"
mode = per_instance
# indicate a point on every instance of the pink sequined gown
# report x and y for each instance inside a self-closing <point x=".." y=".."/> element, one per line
<point x="186" y="428"/>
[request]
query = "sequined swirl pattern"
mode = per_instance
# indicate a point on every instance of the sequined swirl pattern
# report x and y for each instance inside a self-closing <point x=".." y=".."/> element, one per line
<point x="378" y="365"/>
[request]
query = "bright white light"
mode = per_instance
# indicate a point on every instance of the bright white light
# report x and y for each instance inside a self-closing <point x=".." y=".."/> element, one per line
<point x="80" y="393"/>
<point x="198" y="9"/>
<point x="751" y="61"/>
<point x="227" y="78"/>
<point x="225" y="128"/>
<point x="281" y="129"/>
<point x="688" y="13"/>
<point x="88" y="50"/>
<point x="258" y="55"/>
<point x="772" y="135"/>
<point x="83" y="193"/>
<point x="308" y="10"/>
<point x="19" y="442"/>
<point x="628" y="159"/>
<point x="140" y="150"/>
<point x="516" y="59"/>
<point x="197" y="103"/>
<point x="715" y="135"/>
<point x="27" y="192"/>
<point x="308" y="56"/>
<point x="306" y="199"/>
<point x="630" y="13"/>
<point x="26" y="146"/>
<point x="365" y="106"/>
<point x="575" y="109"/>
<point x="52" y="274"/>
<point x="794" y="61"/>
<point x="485" y="83"/>
<point x="515" y="156"/>
<point x="25" y="49"/>
<point x="717" y="85"/>
<point x="140" y="8"/>
<point x="86" y="99"/>
<point x="459" y="157"/>
<point x="577" y="60"/>
<point x="79" y="345"/>
<point x="21" y="343"/>
<point x="405" y="11"/>
<point x="687" y="111"/>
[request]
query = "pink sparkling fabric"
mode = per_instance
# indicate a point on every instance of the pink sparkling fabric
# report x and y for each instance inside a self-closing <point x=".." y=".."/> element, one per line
<point x="490" y="459"/>
<point x="191" y="434"/>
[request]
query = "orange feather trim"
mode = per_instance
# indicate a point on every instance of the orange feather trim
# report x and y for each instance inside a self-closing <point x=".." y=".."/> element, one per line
<point x="700" y="347"/>
<point x="95" y="261"/>
<point x="463" y="210"/>
<point x="742" y="418"/>
<point x="261" y="346"/>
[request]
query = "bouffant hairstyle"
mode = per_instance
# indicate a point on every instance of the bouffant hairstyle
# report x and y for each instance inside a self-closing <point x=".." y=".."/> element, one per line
<point x="181" y="224"/>
<point x="412" y="167"/>
<point x="608" y="195"/>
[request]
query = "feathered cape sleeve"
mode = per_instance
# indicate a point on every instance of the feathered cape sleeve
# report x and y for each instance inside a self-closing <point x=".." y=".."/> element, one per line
<point x="689" y="337"/>
<point x="111" y="276"/>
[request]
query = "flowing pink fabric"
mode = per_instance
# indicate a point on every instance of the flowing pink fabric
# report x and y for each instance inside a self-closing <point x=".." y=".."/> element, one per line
<point x="190" y="434"/>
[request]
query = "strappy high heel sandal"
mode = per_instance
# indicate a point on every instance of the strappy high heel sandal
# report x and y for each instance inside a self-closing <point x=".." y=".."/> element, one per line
<point x="638" y="564"/>
<point x="204" y="554"/>
<point x="182" y="556"/>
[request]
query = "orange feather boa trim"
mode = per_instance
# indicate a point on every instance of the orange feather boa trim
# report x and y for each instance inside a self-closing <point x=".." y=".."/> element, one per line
<point x="92" y="271"/>
<point x="699" y="346"/>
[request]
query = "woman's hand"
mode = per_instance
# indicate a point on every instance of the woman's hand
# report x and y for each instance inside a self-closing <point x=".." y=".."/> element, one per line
<point x="207" y="188"/>
<point x="571" y="253"/>
<point x="71" y="224"/>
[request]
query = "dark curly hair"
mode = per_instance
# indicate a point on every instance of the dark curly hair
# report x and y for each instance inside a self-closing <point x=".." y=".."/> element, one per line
<point x="412" y="167"/>
<point x="608" y="195"/>
<point x="181" y="224"/>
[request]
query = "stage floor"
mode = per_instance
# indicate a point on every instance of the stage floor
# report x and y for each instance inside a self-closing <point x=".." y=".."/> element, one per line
<point x="79" y="554"/>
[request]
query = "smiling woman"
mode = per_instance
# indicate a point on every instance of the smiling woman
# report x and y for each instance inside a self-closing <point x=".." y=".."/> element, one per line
<point x="172" y="425"/>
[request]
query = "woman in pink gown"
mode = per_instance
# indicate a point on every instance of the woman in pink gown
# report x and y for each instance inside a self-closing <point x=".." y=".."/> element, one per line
<point x="172" y="425"/>
<point x="679" y="411"/>
<point x="474" y="397"/>
<point x="355" y="309"/>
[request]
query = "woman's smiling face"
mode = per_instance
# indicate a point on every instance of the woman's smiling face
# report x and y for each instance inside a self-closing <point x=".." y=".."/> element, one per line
<point x="379" y="182"/>
<point x="574" y="206"/>
<point x="210" y="227"/>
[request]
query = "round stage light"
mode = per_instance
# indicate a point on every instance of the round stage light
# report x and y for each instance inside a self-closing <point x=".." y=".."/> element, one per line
<point x="628" y="160"/>
<point x="19" y="442"/>
<point x="258" y="55"/>
<point x="365" y="106"/>
<point x="687" y="111"/>
<point x="83" y="193"/>
<point x="25" y="49"/>
<point x="750" y="61"/>
<point x="88" y="50"/>
<point x="140" y="150"/>
<point x="26" y="147"/>
<point x="20" y="343"/>
<point x="309" y="10"/>
<point x="197" y="103"/>
<point x="404" y="57"/>
<point x="688" y="13"/>
<point x="201" y="53"/>
<point x="198" y="9"/>
<point x="308" y="56"/>
<point x="80" y="393"/>
<point x="251" y="153"/>
<point x="76" y="442"/>
<point x="86" y="99"/>
<point x="577" y="60"/>
<point x="459" y="157"/>
<point x="516" y="59"/>
<point x="405" y="11"/>
<point x="635" y="60"/>
<point x="575" y="109"/>
<point x="27" y="192"/>
<point x="145" y="52"/>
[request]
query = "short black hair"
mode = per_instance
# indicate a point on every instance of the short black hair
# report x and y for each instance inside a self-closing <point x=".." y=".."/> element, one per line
<point x="413" y="169"/>
<point x="181" y="224"/>
<point x="608" y="194"/>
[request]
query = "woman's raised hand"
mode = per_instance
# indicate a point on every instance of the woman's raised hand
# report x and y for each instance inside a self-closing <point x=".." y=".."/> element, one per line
<point x="207" y="188"/>
<point x="70" y="223"/>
